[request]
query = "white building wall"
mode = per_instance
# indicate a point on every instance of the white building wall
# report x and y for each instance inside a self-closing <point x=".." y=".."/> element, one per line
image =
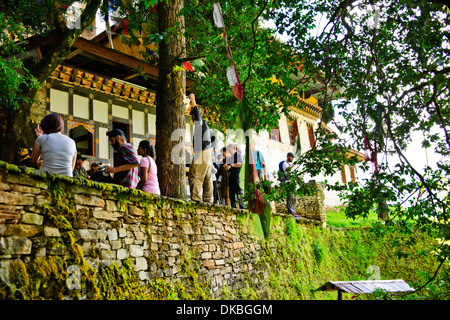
<point x="275" y="151"/>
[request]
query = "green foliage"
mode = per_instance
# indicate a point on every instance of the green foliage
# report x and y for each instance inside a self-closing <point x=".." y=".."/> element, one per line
<point x="300" y="261"/>
<point x="35" y="17"/>
<point x="11" y="81"/>
<point x="318" y="251"/>
<point x="120" y="282"/>
<point x="340" y="219"/>
<point x="390" y="58"/>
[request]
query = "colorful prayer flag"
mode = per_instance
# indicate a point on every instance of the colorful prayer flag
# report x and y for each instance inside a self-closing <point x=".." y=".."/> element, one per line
<point x="187" y="66"/>
<point x="257" y="204"/>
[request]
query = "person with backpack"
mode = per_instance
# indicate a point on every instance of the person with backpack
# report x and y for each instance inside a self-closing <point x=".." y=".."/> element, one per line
<point x="283" y="167"/>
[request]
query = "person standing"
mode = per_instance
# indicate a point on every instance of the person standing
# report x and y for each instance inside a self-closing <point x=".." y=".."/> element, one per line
<point x="200" y="179"/>
<point x="126" y="164"/>
<point x="214" y="171"/>
<point x="233" y="166"/>
<point x="223" y="179"/>
<point x="53" y="151"/>
<point x="260" y="163"/>
<point x="284" y="166"/>
<point x="148" y="172"/>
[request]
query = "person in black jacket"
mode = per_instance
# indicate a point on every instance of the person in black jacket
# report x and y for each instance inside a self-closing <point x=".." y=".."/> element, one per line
<point x="233" y="166"/>
<point x="200" y="179"/>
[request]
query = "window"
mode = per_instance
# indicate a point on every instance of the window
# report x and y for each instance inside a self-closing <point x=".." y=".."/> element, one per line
<point x="275" y="134"/>
<point x="343" y="176"/>
<point x="352" y="174"/>
<point x="125" y="127"/>
<point x="83" y="135"/>
<point x="293" y="130"/>
<point x="312" y="140"/>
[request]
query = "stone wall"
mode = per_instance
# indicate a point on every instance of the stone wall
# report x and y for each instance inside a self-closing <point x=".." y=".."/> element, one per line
<point x="89" y="225"/>
<point x="310" y="208"/>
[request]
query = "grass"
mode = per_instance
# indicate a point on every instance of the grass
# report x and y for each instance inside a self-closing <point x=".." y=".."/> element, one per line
<point x="336" y="218"/>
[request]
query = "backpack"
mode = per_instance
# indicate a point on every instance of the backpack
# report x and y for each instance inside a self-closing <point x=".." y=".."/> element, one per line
<point x="281" y="173"/>
<point x="280" y="165"/>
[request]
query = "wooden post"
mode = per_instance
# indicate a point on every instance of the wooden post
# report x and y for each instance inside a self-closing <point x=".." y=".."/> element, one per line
<point x="339" y="294"/>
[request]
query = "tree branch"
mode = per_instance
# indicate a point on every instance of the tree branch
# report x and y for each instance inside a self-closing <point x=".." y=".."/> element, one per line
<point x="65" y="40"/>
<point x="421" y="178"/>
<point x="429" y="280"/>
<point x="254" y="41"/>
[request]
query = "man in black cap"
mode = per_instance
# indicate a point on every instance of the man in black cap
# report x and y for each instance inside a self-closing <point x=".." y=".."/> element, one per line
<point x="126" y="164"/>
<point x="284" y="166"/>
<point x="79" y="170"/>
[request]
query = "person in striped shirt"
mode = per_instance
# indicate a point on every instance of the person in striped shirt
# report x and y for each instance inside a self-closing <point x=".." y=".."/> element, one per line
<point x="126" y="163"/>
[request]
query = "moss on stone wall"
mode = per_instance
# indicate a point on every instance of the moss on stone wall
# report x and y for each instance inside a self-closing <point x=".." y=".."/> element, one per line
<point x="299" y="259"/>
<point x="296" y="260"/>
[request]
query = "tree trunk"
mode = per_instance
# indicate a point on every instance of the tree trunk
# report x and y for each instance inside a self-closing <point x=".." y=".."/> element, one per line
<point x="383" y="211"/>
<point x="170" y="107"/>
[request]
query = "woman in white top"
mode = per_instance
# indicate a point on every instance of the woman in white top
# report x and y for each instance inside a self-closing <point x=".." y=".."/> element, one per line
<point x="55" y="151"/>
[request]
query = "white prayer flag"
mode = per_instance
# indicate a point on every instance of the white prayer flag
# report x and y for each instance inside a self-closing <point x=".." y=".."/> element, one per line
<point x="231" y="75"/>
<point x="217" y="14"/>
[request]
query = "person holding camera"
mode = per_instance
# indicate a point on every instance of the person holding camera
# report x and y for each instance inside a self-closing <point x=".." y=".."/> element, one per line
<point x="98" y="173"/>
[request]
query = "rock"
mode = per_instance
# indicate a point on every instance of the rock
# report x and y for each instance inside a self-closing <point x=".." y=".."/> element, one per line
<point x="25" y="189"/>
<point x="140" y="264"/>
<point x="112" y="234"/>
<point x="116" y="244"/>
<point x="58" y="251"/>
<point x="21" y="230"/>
<point x="51" y="232"/>
<point x="32" y="218"/>
<point x="136" y="251"/>
<point x="16" y="199"/>
<point x="122" y="233"/>
<point x="9" y="217"/>
<point x="15" y="245"/>
<point x="144" y="276"/>
<point x="208" y="263"/>
<point x="89" y="200"/>
<point x="107" y="215"/>
<point x="111" y="206"/>
<point x="89" y="235"/>
<point x="135" y="211"/>
<point x="109" y="254"/>
<point x="24" y="180"/>
<point x="122" y="254"/>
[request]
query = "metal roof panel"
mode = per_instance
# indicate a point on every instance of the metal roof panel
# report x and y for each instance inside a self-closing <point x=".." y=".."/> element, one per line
<point x="368" y="286"/>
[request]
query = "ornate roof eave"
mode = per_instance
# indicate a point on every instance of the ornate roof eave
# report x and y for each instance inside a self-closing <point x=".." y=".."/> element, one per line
<point x="307" y="109"/>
